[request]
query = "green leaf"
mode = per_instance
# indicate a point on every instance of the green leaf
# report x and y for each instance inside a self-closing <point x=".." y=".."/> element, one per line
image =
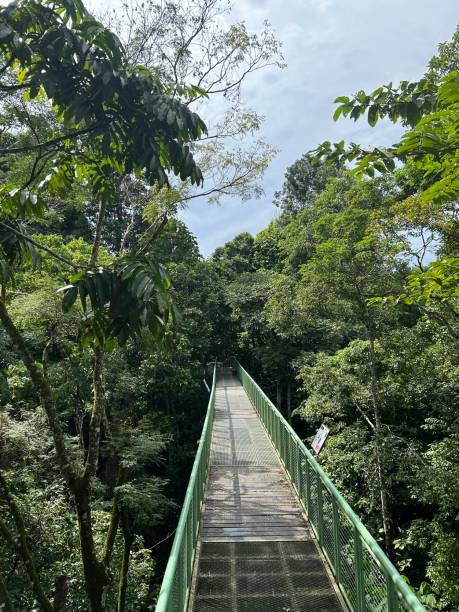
<point x="373" y="115"/>
<point x="70" y="295"/>
<point x="337" y="113"/>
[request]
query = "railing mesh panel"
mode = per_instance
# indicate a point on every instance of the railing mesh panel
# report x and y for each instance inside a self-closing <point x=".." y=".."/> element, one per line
<point x="314" y="506"/>
<point x="347" y="559"/>
<point x="375" y="584"/>
<point x="327" y="530"/>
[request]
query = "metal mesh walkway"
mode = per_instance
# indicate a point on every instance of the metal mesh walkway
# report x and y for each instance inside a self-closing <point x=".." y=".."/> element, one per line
<point x="256" y="552"/>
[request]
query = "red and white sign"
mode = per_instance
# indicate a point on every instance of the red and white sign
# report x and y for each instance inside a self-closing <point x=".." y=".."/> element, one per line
<point x="320" y="438"/>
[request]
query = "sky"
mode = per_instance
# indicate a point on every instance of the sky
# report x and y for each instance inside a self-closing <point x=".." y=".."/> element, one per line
<point x="332" y="48"/>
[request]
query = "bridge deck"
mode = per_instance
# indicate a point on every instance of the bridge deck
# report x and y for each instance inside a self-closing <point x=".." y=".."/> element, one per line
<point x="256" y="553"/>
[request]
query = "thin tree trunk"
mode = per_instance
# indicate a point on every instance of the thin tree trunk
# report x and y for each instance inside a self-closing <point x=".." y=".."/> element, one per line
<point x="97" y="235"/>
<point x="111" y="467"/>
<point x="379" y="451"/>
<point x="111" y="535"/>
<point x="114" y="521"/>
<point x="61" y="589"/>
<point x="79" y="422"/>
<point x="278" y="396"/>
<point x="123" y="579"/>
<point x="289" y="403"/>
<point x="98" y="408"/>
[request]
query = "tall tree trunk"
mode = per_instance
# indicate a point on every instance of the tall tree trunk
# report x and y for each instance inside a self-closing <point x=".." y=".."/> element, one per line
<point x="95" y="570"/>
<point x="43" y="389"/>
<point x="111" y="535"/>
<point x="123" y="579"/>
<point x="278" y="396"/>
<point x="96" y="577"/>
<point x="379" y="447"/>
<point x="289" y="403"/>
<point x="97" y="413"/>
<point x="61" y="588"/>
<point x="97" y="235"/>
<point x="114" y="519"/>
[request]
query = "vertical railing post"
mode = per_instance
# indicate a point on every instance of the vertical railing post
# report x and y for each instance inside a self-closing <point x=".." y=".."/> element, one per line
<point x="298" y="472"/>
<point x="392" y="599"/>
<point x="336" y="540"/>
<point x="359" y="573"/>
<point x="308" y="489"/>
<point x="182" y="578"/>
<point x="320" y="509"/>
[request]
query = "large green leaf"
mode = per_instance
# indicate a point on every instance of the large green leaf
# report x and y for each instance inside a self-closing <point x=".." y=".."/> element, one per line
<point x="119" y="302"/>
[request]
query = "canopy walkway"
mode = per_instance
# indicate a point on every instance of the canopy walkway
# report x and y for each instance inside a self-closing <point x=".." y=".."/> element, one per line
<point x="263" y="528"/>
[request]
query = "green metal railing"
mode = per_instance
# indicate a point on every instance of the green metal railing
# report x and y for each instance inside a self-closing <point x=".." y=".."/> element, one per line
<point x="175" y="587"/>
<point x="366" y="578"/>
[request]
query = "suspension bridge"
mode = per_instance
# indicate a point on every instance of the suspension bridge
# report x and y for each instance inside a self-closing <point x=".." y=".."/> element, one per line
<point x="263" y="528"/>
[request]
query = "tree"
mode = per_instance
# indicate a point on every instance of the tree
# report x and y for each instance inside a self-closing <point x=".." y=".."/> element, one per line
<point x="113" y="119"/>
<point x="302" y="183"/>
<point x="236" y="256"/>
<point x="189" y="42"/>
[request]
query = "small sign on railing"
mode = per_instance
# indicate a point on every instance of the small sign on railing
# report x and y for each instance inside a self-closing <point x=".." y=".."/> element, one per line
<point x="320" y="437"/>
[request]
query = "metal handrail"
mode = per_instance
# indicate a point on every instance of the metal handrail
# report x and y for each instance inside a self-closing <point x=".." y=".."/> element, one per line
<point x="175" y="587"/>
<point x="367" y="579"/>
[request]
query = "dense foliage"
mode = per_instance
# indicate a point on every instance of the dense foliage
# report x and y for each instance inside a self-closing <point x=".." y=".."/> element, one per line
<point x="345" y="307"/>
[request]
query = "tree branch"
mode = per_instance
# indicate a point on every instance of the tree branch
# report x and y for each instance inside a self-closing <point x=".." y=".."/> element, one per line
<point x="96" y="416"/>
<point x="49" y="143"/>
